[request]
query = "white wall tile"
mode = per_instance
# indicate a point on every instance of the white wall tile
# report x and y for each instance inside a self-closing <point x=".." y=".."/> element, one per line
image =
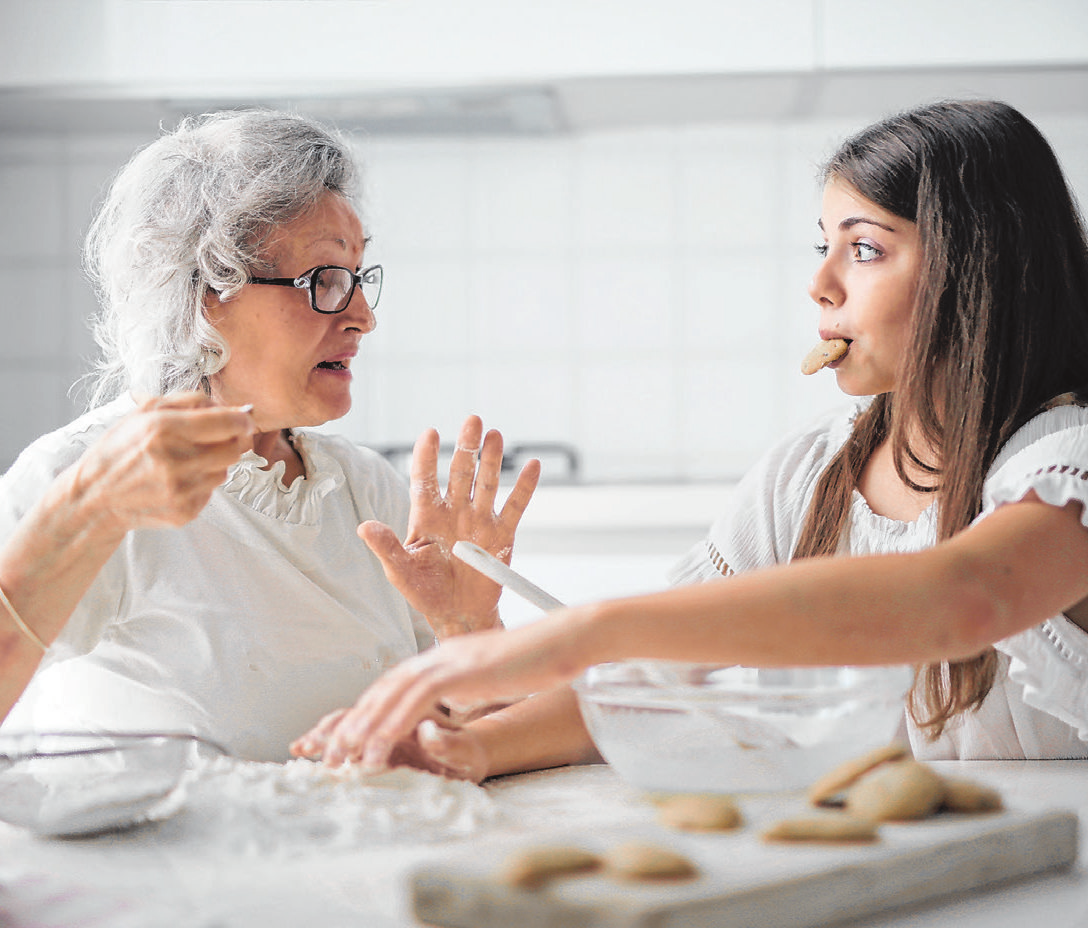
<point x="424" y="309"/>
<point x="527" y="402"/>
<point x="419" y="195"/>
<point x="725" y="420"/>
<point x="728" y="183"/>
<point x="33" y="303"/>
<point x="33" y="401"/>
<point x="521" y="195"/>
<point x="624" y="191"/>
<point x="627" y="418"/>
<point x="730" y="305"/>
<point x="625" y="304"/>
<point x="520" y="304"/>
<point x="33" y="198"/>
<point x="408" y="396"/>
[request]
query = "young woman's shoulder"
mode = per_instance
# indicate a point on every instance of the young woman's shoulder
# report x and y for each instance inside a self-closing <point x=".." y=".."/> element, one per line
<point x="766" y="508"/>
<point x="1047" y="455"/>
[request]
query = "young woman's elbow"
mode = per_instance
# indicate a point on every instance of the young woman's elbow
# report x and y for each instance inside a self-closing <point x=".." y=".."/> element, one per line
<point x="976" y="613"/>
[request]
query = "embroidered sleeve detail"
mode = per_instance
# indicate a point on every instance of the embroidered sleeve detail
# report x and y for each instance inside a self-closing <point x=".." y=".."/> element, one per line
<point x="1056" y="641"/>
<point x="702" y="562"/>
<point x="1078" y="473"/>
<point x="1050" y="662"/>
<point x="718" y="560"/>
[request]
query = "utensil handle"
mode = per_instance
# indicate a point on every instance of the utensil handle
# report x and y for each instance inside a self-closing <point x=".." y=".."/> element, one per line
<point x="494" y="569"/>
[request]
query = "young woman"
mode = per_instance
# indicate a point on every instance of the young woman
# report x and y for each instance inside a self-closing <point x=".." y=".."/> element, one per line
<point x="941" y="523"/>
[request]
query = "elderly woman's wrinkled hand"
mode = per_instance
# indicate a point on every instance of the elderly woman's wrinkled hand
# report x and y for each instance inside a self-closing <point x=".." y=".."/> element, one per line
<point x="454" y="597"/>
<point x="158" y="466"/>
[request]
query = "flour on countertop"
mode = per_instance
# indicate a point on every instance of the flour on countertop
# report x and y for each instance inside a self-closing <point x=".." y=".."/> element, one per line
<point x="246" y="806"/>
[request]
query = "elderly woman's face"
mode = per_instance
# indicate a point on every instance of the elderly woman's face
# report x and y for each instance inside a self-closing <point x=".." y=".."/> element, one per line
<point x="291" y="363"/>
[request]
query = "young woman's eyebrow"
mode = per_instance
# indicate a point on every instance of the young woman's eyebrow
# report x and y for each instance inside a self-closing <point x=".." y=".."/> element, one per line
<point x="851" y="221"/>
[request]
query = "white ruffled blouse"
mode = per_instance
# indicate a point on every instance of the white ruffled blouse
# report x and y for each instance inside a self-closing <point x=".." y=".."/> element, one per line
<point x="245" y="625"/>
<point x="1038" y="707"/>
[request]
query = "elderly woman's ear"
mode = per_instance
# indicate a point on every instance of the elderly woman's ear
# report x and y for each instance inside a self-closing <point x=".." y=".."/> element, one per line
<point x="213" y="308"/>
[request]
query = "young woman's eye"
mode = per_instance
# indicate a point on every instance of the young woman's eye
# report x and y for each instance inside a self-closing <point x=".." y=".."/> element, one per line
<point x="821" y="249"/>
<point x="863" y="251"/>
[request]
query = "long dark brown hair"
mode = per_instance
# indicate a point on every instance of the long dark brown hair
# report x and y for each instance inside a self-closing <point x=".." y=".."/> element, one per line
<point x="1000" y="325"/>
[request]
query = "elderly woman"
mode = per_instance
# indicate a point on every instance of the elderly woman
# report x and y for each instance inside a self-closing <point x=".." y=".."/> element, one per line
<point x="185" y="555"/>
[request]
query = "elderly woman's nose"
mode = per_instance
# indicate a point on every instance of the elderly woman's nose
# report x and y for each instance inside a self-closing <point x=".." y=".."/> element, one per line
<point x="359" y="315"/>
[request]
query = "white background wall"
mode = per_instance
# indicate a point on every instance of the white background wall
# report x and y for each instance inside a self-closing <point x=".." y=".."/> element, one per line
<point x="637" y="293"/>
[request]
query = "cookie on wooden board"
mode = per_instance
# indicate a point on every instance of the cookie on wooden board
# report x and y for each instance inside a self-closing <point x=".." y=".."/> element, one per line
<point x="534" y="867"/>
<point x="825" y="827"/>
<point x="849" y="772"/>
<point x="904" y="790"/>
<point x="639" y="861"/>
<point x="699" y="812"/>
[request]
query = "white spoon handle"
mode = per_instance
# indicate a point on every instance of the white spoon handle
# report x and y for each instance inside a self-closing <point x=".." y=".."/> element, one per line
<point x="494" y="569"/>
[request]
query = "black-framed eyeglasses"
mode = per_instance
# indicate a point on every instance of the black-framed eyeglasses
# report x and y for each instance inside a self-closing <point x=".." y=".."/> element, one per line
<point x="330" y="287"/>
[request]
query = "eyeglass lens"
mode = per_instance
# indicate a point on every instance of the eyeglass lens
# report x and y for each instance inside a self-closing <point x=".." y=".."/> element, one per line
<point x="332" y="288"/>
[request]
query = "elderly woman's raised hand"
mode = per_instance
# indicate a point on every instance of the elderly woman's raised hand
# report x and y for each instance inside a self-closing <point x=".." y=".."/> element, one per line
<point x="158" y="466"/>
<point x="454" y="597"/>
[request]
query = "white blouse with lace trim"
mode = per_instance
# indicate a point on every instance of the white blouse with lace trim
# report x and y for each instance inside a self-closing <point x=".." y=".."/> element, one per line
<point x="1038" y="707"/>
<point x="246" y="625"/>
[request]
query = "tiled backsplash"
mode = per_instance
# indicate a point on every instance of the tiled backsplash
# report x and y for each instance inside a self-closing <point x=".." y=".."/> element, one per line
<point x="637" y="294"/>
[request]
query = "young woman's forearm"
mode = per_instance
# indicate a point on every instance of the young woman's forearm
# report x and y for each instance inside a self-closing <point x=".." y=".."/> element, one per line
<point x="545" y="730"/>
<point x="46" y="566"/>
<point x="1013" y="570"/>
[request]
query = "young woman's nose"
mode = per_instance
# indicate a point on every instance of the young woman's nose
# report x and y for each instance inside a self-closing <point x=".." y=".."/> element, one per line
<point x="825" y="288"/>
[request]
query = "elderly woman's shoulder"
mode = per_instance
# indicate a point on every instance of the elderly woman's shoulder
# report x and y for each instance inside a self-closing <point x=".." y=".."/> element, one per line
<point x="55" y="451"/>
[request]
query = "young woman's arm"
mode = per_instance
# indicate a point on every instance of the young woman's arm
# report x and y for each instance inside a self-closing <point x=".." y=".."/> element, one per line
<point x="1012" y="570"/>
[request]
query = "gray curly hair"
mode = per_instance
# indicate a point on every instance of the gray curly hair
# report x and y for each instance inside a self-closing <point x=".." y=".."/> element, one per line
<point x="193" y="212"/>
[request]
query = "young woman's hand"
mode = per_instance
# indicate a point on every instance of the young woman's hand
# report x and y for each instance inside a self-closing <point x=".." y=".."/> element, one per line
<point x="438" y="745"/>
<point x="454" y="597"/>
<point x="158" y="466"/>
<point x="481" y="668"/>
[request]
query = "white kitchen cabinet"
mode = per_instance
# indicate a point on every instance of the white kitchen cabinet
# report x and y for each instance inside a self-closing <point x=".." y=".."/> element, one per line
<point x="940" y="34"/>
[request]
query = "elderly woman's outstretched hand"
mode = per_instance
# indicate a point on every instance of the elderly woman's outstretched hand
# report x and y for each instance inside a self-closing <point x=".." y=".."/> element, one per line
<point x="454" y="597"/>
<point x="158" y="466"/>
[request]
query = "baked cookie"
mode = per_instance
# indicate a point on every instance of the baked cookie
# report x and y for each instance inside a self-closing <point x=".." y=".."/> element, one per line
<point x="848" y="773"/>
<point x="638" y="861"/>
<point x="699" y="812"/>
<point x="966" y="796"/>
<point x="823" y="354"/>
<point x="827" y="827"/>
<point x="900" y="791"/>
<point x="536" y="866"/>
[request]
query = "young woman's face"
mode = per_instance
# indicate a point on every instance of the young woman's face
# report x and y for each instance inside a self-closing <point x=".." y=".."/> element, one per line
<point x="865" y="287"/>
<point x="291" y="363"/>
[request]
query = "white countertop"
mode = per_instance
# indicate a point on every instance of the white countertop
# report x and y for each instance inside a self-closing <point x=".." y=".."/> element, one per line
<point x="152" y="875"/>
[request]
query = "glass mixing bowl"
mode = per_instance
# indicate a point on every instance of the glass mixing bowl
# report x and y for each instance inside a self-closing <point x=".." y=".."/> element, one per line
<point x="675" y="727"/>
<point x="70" y="783"/>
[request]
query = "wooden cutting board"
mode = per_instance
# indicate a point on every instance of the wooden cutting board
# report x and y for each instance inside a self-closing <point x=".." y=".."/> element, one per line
<point x="746" y="882"/>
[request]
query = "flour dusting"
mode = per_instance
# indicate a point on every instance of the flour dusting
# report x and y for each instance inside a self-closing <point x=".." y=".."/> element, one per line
<point x="251" y="807"/>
